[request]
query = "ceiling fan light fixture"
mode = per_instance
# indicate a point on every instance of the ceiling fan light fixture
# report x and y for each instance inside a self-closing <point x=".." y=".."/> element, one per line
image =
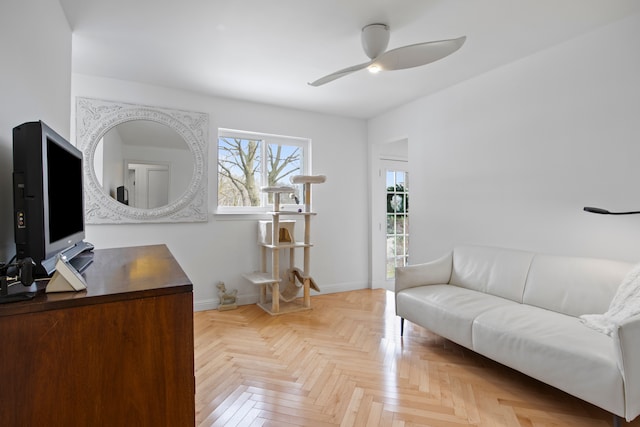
<point x="375" y="38"/>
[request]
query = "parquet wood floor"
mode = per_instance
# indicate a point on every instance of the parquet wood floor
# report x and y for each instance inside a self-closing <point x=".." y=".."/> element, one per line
<point x="344" y="364"/>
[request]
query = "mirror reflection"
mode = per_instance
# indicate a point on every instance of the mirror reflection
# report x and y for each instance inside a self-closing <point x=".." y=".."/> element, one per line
<point x="143" y="164"/>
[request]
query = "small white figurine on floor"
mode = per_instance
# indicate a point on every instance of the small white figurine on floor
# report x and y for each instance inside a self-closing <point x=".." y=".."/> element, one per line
<point x="227" y="299"/>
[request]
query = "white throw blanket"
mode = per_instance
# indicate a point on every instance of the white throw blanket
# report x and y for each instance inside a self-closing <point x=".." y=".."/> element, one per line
<point x="625" y="303"/>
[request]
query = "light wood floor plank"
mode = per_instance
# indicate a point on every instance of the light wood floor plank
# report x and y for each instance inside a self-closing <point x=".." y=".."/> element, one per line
<point x="344" y="364"/>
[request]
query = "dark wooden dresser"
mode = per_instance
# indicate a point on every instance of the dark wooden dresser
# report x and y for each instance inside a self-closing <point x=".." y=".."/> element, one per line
<point x="117" y="354"/>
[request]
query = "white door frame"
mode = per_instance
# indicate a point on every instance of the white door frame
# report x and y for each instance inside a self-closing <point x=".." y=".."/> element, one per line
<point x="379" y="224"/>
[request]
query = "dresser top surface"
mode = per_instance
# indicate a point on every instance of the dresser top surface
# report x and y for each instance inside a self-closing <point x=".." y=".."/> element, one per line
<point x="115" y="274"/>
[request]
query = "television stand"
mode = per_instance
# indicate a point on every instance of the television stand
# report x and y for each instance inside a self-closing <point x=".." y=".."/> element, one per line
<point x="70" y="253"/>
<point x="20" y="296"/>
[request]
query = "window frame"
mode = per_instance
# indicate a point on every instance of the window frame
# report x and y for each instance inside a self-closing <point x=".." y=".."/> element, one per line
<point x="265" y="139"/>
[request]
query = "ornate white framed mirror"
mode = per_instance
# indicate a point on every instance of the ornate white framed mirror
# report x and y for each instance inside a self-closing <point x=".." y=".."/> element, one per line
<point x="142" y="163"/>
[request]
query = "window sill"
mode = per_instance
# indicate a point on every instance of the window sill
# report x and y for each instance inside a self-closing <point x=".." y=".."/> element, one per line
<point x="240" y="214"/>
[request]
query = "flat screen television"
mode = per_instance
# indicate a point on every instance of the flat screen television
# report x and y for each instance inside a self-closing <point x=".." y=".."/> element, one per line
<point x="48" y="197"/>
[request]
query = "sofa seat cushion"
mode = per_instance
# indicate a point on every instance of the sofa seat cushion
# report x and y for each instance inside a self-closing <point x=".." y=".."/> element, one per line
<point x="556" y="349"/>
<point x="448" y="310"/>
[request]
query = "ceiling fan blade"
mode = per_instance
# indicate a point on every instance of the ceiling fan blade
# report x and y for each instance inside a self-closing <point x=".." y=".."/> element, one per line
<point x="341" y="73"/>
<point x="418" y="54"/>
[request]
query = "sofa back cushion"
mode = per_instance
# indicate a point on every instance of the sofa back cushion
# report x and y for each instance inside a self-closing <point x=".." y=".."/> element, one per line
<point x="496" y="271"/>
<point x="573" y="285"/>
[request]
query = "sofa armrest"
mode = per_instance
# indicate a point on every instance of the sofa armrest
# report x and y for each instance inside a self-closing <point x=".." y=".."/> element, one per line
<point x="627" y="341"/>
<point x="431" y="273"/>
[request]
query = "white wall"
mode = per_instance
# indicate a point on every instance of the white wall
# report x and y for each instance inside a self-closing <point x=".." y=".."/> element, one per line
<point x="511" y="157"/>
<point x="35" y="84"/>
<point x="224" y="248"/>
<point x="111" y="148"/>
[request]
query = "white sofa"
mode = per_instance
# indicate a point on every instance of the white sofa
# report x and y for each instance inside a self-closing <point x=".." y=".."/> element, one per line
<point x="522" y="309"/>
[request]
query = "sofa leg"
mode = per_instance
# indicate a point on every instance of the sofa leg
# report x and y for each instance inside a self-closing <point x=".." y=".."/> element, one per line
<point x="401" y="326"/>
<point x="617" y="421"/>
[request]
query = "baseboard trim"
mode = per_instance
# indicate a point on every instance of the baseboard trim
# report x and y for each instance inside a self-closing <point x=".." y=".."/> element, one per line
<point x="246" y="299"/>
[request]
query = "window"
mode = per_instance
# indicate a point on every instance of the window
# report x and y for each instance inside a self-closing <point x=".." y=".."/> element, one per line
<point x="248" y="161"/>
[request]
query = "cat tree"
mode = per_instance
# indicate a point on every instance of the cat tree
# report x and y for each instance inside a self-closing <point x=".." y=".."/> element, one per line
<point x="280" y="293"/>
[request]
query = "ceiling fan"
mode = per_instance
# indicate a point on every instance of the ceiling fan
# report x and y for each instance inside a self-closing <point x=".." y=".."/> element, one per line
<point x="375" y="38"/>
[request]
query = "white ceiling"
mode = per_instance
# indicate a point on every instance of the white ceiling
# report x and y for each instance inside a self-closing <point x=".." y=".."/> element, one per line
<point x="267" y="51"/>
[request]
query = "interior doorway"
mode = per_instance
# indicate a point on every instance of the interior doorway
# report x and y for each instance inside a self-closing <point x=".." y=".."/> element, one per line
<point x="148" y="184"/>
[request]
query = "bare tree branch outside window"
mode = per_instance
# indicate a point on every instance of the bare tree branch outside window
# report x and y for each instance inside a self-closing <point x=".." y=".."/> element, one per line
<point x="245" y="165"/>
